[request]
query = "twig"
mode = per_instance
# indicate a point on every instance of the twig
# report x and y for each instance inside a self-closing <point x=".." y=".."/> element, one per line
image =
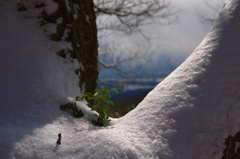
<point x="59" y="139"/>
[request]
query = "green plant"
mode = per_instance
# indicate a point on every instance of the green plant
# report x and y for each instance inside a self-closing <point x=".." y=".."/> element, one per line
<point x="72" y="106"/>
<point x="102" y="101"/>
<point x="101" y="104"/>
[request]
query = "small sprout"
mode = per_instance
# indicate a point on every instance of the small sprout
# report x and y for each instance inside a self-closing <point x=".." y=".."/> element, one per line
<point x="102" y="101"/>
<point x="59" y="139"/>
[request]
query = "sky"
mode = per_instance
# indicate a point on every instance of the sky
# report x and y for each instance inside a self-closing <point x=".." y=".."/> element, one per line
<point x="186" y="34"/>
<point x="178" y="40"/>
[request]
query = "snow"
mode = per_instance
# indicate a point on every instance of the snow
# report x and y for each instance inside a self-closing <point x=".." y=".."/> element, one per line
<point x="50" y="6"/>
<point x="67" y="5"/>
<point x="188" y="115"/>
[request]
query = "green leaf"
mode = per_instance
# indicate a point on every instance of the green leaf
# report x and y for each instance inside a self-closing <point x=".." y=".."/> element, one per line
<point x="82" y="98"/>
<point x="78" y="98"/>
<point x="102" y="102"/>
<point x="111" y="102"/>
<point x="115" y="90"/>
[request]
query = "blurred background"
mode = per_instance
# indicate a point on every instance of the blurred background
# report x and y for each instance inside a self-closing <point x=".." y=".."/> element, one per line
<point x="143" y="41"/>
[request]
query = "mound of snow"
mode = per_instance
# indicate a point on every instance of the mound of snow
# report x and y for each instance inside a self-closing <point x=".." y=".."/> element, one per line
<point x="188" y="115"/>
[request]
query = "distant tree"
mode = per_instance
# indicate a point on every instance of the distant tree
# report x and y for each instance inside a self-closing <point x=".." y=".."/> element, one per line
<point x="128" y="17"/>
<point x="216" y="10"/>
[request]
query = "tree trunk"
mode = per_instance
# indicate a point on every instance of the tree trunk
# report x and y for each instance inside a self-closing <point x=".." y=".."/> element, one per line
<point x="78" y="17"/>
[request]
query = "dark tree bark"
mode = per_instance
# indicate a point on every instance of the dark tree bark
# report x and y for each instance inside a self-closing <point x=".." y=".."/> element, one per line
<point x="232" y="150"/>
<point x="79" y="17"/>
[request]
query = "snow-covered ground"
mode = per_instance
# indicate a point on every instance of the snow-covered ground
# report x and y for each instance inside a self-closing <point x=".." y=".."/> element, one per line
<point x="188" y="115"/>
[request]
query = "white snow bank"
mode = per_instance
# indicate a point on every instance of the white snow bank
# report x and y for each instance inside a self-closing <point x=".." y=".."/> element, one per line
<point x="33" y="79"/>
<point x="196" y="107"/>
<point x="186" y="116"/>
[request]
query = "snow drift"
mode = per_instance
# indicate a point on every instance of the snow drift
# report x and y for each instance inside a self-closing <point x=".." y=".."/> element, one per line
<point x="188" y="115"/>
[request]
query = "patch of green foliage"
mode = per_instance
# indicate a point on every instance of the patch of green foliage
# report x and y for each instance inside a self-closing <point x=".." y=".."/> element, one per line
<point x="72" y="106"/>
<point x="102" y="101"/>
<point x="81" y="33"/>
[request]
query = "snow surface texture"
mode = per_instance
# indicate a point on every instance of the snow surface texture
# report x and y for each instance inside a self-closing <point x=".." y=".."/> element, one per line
<point x="188" y="115"/>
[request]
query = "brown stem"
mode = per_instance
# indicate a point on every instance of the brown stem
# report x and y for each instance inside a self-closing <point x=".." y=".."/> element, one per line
<point x="59" y="139"/>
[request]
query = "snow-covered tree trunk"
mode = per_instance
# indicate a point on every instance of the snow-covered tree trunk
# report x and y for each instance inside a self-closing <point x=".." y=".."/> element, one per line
<point x="75" y="24"/>
<point x="48" y="50"/>
<point x="79" y="21"/>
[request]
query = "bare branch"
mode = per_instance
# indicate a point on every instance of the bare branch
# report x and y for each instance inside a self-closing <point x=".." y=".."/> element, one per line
<point x="125" y="62"/>
<point x="127" y="15"/>
<point x="216" y="9"/>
